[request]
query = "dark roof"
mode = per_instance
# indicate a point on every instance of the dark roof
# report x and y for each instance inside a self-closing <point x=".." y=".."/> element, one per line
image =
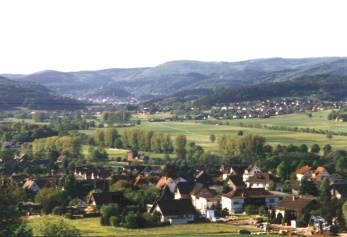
<point x="185" y="187"/>
<point x="19" y="179"/>
<point x="174" y="207"/>
<point x="197" y="187"/>
<point x="238" y="170"/>
<point x="249" y="193"/>
<point x="263" y="178"/>
<point x="47" y="181"/>
<point x="295" y="184"/>
<point x="295" y="202"/>
<point x="108" y="197"/>
<point x="203" y="177"/>
<point x="341" y="188"/>
<point x="237" y="181"/>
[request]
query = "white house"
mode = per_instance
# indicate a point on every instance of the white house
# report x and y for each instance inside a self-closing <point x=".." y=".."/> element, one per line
<point x="250" y="171"/>
<point x="235" y="201"/>
<point x="176" y="211"/>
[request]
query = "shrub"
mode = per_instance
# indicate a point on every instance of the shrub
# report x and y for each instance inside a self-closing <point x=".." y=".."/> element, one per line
<point x="56" y="227"/>
<point x="58" y="211"/>
<point x="115" y="221"/>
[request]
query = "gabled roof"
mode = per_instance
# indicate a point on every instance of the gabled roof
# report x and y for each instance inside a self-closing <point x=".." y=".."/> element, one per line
<point x="295" y="202"/>
<point x="250" y="168"/>
<point x="341" y="188"/>
<point x="263" y="178"/>
<point x="185" y="187"/>
<point x="174" y="207"/>
<point x="163" y="181"/>
<point x="138" y="180"/>
<point x="238" y="170"/>
<point x="28" y="184"/>
<point x="19" y="179"/>
<point x="237" y="181"/>
<point x="197" y="187"/>
<point x="47" y="181"/>
<point x="319" y="170"/>
<point x="249" y="193"/>
<point x="303" y="170"/>
<point x="108" y="197"/>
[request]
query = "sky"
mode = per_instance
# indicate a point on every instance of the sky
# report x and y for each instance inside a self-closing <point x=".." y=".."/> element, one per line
<point x="76" y="35"/>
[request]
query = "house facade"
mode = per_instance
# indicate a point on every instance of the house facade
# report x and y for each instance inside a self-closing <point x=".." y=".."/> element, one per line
<point x="296" y="203"/>
<point x="261" y="180"/>
<point x="176" y="211"/>
<point x="250" y="171"/>
<point x="235" y="201"/>
<point x="199" y="190"/>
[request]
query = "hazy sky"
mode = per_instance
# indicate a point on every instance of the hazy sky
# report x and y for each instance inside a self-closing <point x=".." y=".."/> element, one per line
<point x="75" y="35"/>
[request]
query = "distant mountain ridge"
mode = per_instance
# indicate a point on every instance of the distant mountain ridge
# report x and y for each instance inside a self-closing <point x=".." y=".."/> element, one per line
<point x="33" y="96"/>
<point x="175" y="76"/>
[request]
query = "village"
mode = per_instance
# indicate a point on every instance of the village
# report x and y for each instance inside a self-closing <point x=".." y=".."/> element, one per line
<point x="215" y="194"/>
<point x="248" y="110"/>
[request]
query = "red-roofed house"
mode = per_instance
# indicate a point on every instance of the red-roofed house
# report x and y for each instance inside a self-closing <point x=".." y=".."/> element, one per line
<point x="320" y="173"/>
<point x="304" y="171"/>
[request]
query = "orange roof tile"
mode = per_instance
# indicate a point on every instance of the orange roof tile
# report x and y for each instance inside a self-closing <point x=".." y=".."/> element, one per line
<point x="303" y="170"/>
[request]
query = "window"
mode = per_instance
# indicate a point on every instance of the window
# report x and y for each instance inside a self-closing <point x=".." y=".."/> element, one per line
<point x="236" y="203"/>
<point x="271" y="200"/>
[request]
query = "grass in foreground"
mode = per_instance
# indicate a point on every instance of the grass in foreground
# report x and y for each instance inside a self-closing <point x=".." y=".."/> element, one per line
<point x="92" y="227"/>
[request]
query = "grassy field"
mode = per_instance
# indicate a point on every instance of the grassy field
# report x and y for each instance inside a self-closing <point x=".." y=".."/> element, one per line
<point x="92" y="227"/>
<point x="199" y="131"/>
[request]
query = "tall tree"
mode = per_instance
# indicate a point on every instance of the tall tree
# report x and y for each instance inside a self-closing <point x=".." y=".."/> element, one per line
<point x="180" y="146"/>
<point x="315" y="148"/>
<point x="99" y="137"/>
<point x="110" y="136"/>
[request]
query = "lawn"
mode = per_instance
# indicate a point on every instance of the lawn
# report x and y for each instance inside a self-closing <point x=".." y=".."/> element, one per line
<point x="92" y="227"/>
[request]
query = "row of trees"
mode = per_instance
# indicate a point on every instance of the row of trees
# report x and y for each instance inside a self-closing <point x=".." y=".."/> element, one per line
<point x="249" y="146"/>
<point x="55" y="146"/>
<point x="111" y="118"/>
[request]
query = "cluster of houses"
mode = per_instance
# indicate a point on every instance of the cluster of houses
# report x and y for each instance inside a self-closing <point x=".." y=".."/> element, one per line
<point x="246" y="110"/>
<point x="182" y="197"/>
<point x="249" y="187"/>
<point x="267" y="108"/>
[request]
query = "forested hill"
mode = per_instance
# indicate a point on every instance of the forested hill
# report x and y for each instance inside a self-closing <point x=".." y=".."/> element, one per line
<point x="176" y="76"/>
<point x="33" y="96"/>
<point x="321" y="87"/>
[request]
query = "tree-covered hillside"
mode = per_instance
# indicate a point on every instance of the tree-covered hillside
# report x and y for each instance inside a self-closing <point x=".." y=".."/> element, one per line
<point x="321" y="87"/>
<point x="33" y="96"/>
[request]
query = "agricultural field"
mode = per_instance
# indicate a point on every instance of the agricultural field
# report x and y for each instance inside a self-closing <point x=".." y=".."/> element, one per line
<point x="199" y="131"/>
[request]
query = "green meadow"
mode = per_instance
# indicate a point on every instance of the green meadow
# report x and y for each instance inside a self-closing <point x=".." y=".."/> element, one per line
<point x="199" y="132"/>
<point x="92" y="227"/>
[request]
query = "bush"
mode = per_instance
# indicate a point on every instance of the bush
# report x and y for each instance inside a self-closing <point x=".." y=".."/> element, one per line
<point x="115" y="221"/>
<point x="58" y="211"/>
<point x="107" y="211"/>
<point x="56" y="227"/>
<point x="131" y="220"/>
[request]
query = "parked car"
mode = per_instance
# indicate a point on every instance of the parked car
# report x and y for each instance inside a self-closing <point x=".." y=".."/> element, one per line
<point x="332" y="228"/>
<point x="214" y="219"/>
